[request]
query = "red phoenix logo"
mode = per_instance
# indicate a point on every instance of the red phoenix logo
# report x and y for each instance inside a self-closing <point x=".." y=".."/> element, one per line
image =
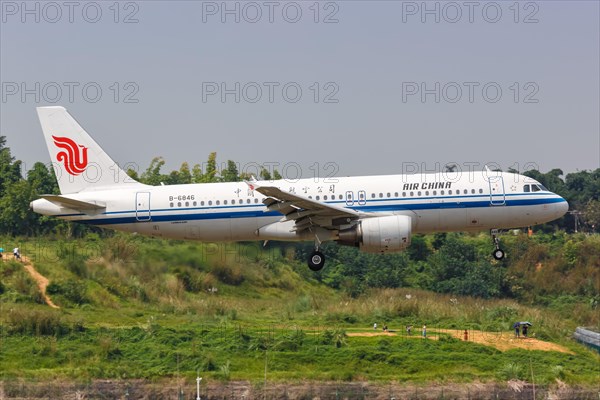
<point x="74" y="156"/>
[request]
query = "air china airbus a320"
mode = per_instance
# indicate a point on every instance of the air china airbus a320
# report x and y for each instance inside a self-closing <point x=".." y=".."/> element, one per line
<point x="377" y="214"/>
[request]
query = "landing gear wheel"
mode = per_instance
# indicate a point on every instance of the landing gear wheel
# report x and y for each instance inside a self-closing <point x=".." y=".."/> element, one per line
<point x="316" y="260"/>
<point x="498" y="254"/>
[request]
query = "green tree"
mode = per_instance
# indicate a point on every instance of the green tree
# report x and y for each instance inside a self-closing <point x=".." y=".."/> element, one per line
<point x="42" y="180"/>
<point x="152" y="175"/>
<point x="197" y="174"/>
<point x="15" y="218"/>
<point x="591" y="214"/>
<point x="185" y="176"/>
<point x="265" y="175"/>
<point x="230" y="174"/>
<point x="211" y="169"/>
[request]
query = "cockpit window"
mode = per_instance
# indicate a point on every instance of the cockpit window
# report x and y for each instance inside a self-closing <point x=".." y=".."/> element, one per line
<point x="543" y="187"/>
<point x="526" y="189"/>
<point x="535" y="188"/>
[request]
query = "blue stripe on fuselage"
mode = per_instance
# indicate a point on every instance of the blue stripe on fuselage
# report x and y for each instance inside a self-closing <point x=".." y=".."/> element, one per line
<point x="176" y="215"/>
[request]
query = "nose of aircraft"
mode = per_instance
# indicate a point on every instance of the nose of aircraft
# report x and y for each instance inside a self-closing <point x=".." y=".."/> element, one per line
<point x="561" y="207"/>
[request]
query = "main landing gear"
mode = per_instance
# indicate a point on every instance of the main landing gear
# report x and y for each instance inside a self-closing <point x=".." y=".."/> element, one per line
<point x="498" y="253"/>
<point x="316" y="260"/>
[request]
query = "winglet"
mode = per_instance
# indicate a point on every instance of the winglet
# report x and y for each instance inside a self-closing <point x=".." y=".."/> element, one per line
<point x="252" y="183"/>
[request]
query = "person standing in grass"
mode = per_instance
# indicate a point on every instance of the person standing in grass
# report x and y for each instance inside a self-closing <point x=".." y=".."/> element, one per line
<point x="516" y="326"/>
<point x="424" y="331"/>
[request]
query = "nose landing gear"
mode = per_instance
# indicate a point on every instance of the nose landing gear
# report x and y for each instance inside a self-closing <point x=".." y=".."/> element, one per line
<point x="498" y="253"/>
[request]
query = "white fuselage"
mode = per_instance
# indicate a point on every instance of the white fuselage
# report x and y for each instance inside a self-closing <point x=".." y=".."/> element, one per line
<point x="234" y="212"/>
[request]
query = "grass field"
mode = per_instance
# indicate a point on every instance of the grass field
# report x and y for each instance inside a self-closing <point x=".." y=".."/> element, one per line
<point x="157" y="309"/>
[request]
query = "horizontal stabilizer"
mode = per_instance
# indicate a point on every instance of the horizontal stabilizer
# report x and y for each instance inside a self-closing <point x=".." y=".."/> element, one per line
<point x="73" y="204"/>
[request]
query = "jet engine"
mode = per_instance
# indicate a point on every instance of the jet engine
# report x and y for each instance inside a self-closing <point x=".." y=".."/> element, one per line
<point x="388" y="234"/>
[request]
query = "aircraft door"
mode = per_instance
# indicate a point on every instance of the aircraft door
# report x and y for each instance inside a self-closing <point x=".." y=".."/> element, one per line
<point x="497" y="195"/>
<point x="142" y="206"/>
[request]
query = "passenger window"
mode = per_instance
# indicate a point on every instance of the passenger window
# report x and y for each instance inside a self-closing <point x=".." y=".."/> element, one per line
<point x="472" y="191"/>
<point x="225" y="202"/>
<point x="442" y="192"/>
<point x="318" y="197"/>
<point x="171" y="204"/>
<point x="480" y="190"/>
<point x="179" y="204"/>
<point x="435" y="192"/>
<point x="396" y="194"/>
<point x="218" y="202"/>
<point x="465" y="191"/>
<point x="202" y="203"/>
<point x="255" y="200"/>
<point x="418" y="193"/>
<point x="403" y="194"/>
<point x="412" y="194"/>
<point x="427" y="193"/>
<point x="389" y="195"/>
<point x="380" y="195"/>
<point x="187" y="203"/>
<point x="195" y="204"/>
<point x="372" y="195"/>
<point x="449" y="191"/>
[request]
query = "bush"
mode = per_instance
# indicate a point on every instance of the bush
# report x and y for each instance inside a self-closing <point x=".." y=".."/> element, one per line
<point x="511" y="371"/>
<point x="74" y="291"/>
<point x="336" y="337"/>
<point x="36" y="322"/>
<point x="228" y="274"/>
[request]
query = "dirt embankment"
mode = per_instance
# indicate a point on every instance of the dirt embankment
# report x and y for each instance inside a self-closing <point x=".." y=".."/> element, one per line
<point x="502" y="341"/>
<point x="41" y="281"/>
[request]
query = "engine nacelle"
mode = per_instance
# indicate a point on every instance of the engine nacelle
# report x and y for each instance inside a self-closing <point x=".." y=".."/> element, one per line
<point x="388" y="234"/>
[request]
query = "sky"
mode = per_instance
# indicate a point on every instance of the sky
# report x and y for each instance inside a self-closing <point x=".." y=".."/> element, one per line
<point x="328" y="88"/>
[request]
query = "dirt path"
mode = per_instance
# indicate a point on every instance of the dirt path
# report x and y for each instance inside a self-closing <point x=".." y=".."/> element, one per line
<point x="503" y="341"/>
<point x="42" y="281"/>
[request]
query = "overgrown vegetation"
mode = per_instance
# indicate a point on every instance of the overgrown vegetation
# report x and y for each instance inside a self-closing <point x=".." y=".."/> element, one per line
<point x="133" y="307"/>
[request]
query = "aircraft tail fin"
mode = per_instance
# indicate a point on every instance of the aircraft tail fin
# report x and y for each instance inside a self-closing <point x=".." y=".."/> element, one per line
<point x="79" y="162"/>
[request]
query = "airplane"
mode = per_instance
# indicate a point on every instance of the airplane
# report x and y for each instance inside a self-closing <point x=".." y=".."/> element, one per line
<point x="377" y="214"/>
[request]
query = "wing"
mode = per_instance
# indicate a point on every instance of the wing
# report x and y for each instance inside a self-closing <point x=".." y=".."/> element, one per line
<point x="306" y="212"/>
